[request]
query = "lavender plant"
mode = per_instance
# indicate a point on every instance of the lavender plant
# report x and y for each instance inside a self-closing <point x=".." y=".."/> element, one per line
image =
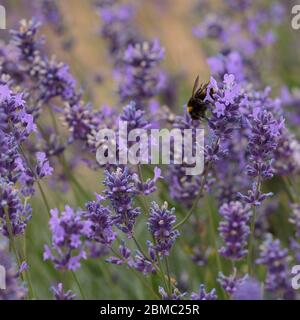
<point x="229" y="226"/>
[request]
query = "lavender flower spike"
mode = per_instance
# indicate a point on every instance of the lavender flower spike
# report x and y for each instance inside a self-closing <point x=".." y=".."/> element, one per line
<point x="276" y="259"/>
<point x="143" y="79"/>
<point x="14" y="290"/>
<point x="101" y="223"/>
<point x="120" y="190"/>
<point x="69" y="231"/>
<point x="60" y="294"/>
<point x="234" y="229"/>
<point x="203" y="295"/>
<point x="160" y="224"/>
<point x="231" y="282"/>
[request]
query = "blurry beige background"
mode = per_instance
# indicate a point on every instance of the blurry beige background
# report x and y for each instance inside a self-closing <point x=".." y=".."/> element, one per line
<point x="170" y="20"/>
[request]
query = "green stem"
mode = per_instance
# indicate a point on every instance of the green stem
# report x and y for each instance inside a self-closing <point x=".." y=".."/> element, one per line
<point x="290" y="190"/>
<point x="252" y="231"/>
<point x="30" y="286"/>
<point x="251" y="242"/>
<point x="136" y="274"/>
<point x="44" y="198"/>
<point x="140" y="248"/>
<point x="214" y="238"/>
<point x="69" y="174"/>
<point x="195" y="204"/>
<point x="144" y="202"/>
<point x="169" y="277"/>
<point x="12" y="240"/>
<point x="78" y="285"/>
<point x="37" y="180"/>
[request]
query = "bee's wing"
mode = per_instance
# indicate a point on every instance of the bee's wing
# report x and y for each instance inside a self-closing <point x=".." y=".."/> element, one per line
<point x="195" y="86"/>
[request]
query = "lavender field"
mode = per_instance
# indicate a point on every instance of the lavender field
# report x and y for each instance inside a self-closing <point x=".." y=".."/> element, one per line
<point x="75" y="228"/>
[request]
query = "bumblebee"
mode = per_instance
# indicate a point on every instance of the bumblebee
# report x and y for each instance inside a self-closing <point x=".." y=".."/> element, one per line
<point x="196" y="106"/>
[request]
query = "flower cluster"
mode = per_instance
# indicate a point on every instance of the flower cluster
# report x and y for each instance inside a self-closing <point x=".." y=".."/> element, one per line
<point x="101" y="223"/>
<point x="14" y="289"/>
<point x="117" y="27"/>
<point x="232" y="282"/>
<point x="276" y="259"/>
<point x="265" y="131"/>
<point x="176" y="294"/>
<point x="234" y="229"/>
<point x="160" y="224"/>
<point x="248" y="140"/>
<point x="241" y="36"/>
<point x="68" y="233"/>
<point x="142" y="78"/>
<point x="14" y="215"/>
<point x="60" y="294"/>
<point x="225" y="114"/>
<point x="140" y="262"/>
<point x="295" y="218"/>
<point x="203" y="295"/>
<point x="120" y="190"/>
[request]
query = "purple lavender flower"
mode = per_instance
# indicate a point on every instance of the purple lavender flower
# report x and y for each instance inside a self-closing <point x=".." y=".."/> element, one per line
<point x="143" y="264"/>
<point x="249" y="289"/>
<point x="60" y="294"/>
<point x="9" y="158"/>
<point x="276" y="259"/>
<point x="117" y="27"/>
<point x="234" y="229"/>
<point x="231" y="63"/>
<point x="295" y="218"/>
<point x="142" y="77"/>
<point x="101" y="223"/>
<point x="54" y="80"/>
<point x="135" y="120"/>
<point x="295" y="248"/>
<point x="12" y="207"/>
<point x="203" y="295"/>
<point x="265" y="131"/>
<point x="149" y="186"/>
<point x="82" y="121"/>
<point x="25" y="40"/>
<point x="134" y="117"/>
<point x="176" y="294"/>
<point x="124" y="256"/>
<point x="231" y="282"/>
<point x="43" y="167"/>
<point x="225" y="114"/>
<point x="15" y="120"/>
<point x="239" y="5"/>
<point x="121" y="190"/>
<point x="160" y="224"/>
<point x="182" y="187"/>
<point x="211" y="27"/>
<point x="14" y="290"/>
<point x="285" y="154"/>
<point x="69" y="231"/>
<point x="23" y="267"/>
